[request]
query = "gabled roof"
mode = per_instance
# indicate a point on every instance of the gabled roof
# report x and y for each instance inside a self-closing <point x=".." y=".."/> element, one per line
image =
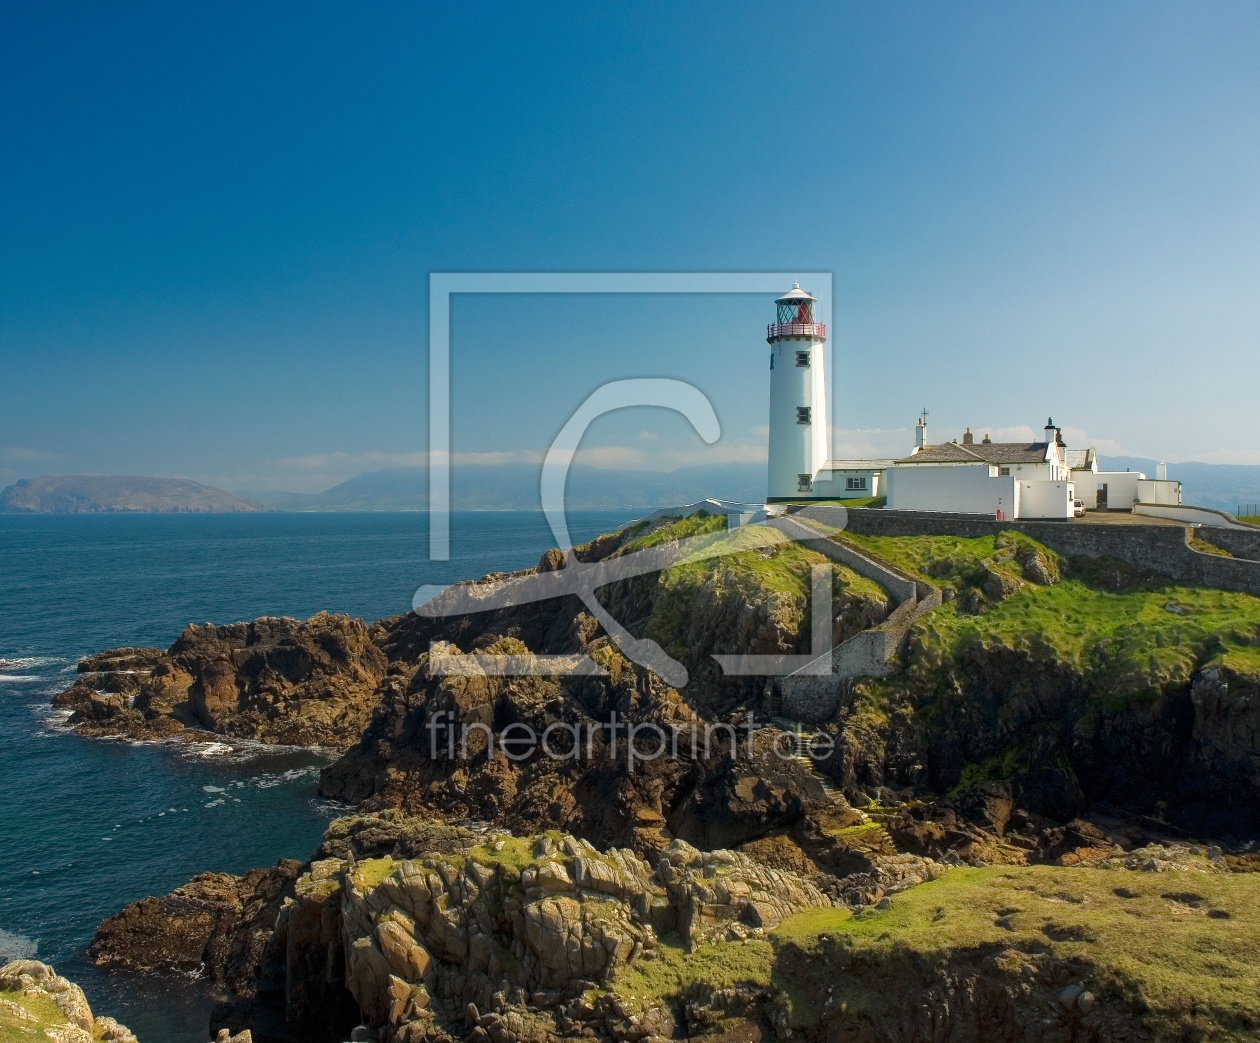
<point x="980" y="452"/>
<point x="1079" y="459"/>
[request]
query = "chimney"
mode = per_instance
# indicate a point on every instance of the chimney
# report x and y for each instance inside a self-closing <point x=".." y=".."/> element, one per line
<point x="967" y="439"/>
<point x="920" y="435"/>
<point x="1051" y="437"/>
<point x="987" y="440"/>
<point x="1161" y="472"/>
<point x="1058" y="436"/>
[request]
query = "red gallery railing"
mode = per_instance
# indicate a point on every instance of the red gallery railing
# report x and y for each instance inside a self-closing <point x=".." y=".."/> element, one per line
<point x="796" y="329"/>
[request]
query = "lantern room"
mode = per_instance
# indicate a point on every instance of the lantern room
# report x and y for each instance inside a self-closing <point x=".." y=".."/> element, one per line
<point x="796" y="316"/>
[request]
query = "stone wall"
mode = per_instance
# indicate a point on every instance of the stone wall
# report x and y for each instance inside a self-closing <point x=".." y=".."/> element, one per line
<point x="1239" y="542"/>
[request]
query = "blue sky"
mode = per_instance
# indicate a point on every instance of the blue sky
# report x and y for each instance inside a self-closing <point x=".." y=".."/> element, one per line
<point x="218" y="223"/>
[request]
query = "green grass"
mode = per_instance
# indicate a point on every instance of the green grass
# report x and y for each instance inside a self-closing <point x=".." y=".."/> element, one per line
<point x="1250" y="519"/>
<point x="669" y="530"/>
<point x="758" y="566"/>
<point x="1152" y="948"/>
<point x="1154" y="944"/>
<point x="1204" y="547"/>
<point x="669" y="970"/>
<point x="14" y="1029"/>
<point x="1132" y="640"/>
<point x="370" y="872"/>
<point x="861" y="501"/>
<point x="1126" y="639"/>
<point x="951" y="561"/>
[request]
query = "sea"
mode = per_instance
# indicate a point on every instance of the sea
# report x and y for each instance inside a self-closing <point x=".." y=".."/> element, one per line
<point x="90" y="824"/>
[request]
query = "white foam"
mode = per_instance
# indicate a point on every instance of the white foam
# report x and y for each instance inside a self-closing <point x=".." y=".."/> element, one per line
<point x="213" y="789"/>
<point x="209" y="749"/>
<point x="16" y="947"/>
<point x="34" y="662"/>
<point x="20" y="677"/>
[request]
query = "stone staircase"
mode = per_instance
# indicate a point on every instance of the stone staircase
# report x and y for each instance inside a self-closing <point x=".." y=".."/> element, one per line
<point x="873" y="653"/>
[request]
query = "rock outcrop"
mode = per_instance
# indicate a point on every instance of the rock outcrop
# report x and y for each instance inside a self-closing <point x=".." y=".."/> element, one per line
<point x="543" y="853"/>
<point x="517" y="929"/>
<point x="37" y="1003"/>
<point x="275" y="680"/>
<point x="217" y="925"/>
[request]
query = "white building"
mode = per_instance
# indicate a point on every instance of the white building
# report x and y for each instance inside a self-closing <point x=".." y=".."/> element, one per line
<point x="1006" y="479"/>
<point x="798" y="398"/>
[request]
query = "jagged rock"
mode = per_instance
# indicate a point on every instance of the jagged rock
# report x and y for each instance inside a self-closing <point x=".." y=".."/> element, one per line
<point x="30" y="979"/>
<point x="216" y="924"/>
<point x="279" y="680"/>
<point x="496" y="923"/>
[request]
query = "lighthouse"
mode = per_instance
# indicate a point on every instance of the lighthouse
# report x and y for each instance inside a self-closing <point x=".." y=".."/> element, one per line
<point x="798" y="398"/>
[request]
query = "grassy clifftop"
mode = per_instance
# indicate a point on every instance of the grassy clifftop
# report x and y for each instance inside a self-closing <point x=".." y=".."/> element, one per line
<point x="1165" y="956"/>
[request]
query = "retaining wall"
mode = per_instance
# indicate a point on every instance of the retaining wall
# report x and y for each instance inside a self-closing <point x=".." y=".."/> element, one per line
<point x="1239" y="542"/>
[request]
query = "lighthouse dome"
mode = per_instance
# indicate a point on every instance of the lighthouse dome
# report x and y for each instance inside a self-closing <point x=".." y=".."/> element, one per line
<point x="795" y="295"/>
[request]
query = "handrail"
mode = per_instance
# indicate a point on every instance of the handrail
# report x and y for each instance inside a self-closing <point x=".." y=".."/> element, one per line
<point x="796" y="329"/>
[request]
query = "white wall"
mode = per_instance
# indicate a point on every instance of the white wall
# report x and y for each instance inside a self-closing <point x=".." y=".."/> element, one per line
<point x="1191" y="515"/>
<point x="954" y="488"/>
<point x="832" y="485"/>
<point x="795" y="449"/>
<point x="1086" y="487"/>
<point x="1122" y="489"/>
<point x="1155" y="491"/>
<point x="1046" y="500"/>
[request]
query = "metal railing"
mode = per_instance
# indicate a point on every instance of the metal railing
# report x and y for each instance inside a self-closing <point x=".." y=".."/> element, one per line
<point x="796" y="329"/>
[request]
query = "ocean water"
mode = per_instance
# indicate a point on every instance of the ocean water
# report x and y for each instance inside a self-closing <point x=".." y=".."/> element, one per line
<point x="91" y="825"/>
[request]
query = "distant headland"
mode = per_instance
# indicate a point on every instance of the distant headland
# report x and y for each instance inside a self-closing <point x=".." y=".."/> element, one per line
<point x="119" y="494"/>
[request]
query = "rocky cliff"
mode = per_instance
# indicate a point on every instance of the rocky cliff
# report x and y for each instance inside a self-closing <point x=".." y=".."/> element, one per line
<point x="424" y="931"/>
<point x="118" y="494"/>
<point x="975" y="833"/>
<point x="37" y="1003"/>
<point x="274" y="680"/>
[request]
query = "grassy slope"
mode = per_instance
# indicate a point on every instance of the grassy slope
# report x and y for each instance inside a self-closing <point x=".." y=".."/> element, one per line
<point x="754" y="563"/>
<point x="1173" y="942"/>
<point x="14" y="1028"/>
<point x="1151" y="632"/>
<point x="1183" y="940"/>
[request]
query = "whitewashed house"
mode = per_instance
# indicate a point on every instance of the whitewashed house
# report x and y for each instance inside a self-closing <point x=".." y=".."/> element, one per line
<point x="1007" y="479"/>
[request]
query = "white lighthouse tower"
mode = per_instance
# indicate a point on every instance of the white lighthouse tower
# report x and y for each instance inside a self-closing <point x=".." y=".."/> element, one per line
<point x="798" y="398"/>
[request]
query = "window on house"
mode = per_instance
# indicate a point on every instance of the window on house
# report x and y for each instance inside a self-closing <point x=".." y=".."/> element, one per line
<point x="804" y="483"/>
<point x="1005" y="472"/>
<point x="802" y="359"/>
<point x="855" y="483"/>
<point x="802" y="414"/>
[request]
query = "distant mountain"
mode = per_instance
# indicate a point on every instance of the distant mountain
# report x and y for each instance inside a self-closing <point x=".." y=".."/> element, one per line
<point x="1222" y="486"/>
<point x="516" y="487"/>
<point x="118" y="494"/>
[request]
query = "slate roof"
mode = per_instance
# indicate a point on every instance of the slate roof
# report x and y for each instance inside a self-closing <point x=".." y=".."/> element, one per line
<point x="1080" y="458"/>
<point x="857" y="465"/>
<point x="979" y="452"/>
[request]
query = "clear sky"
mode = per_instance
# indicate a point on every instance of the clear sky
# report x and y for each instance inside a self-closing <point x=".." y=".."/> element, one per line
<point x="219" y="220"/>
